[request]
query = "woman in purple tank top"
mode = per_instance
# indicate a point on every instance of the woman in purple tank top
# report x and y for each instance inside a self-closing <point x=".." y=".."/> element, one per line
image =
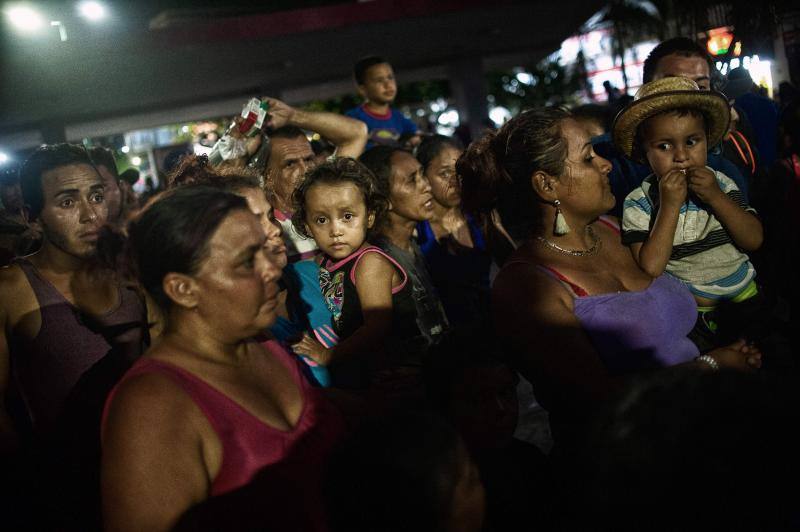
<point x="577" y="311"/>
<point x="208" y="410"/>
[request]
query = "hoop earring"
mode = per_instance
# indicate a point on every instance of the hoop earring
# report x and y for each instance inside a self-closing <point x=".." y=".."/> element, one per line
<point x="560" y="226"/>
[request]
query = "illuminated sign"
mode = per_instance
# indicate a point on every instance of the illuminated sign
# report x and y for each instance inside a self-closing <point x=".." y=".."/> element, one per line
<point x="719" y="41"/>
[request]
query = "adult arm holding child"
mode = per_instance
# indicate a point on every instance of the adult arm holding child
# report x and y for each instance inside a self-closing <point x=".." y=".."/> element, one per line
<point x="563" y="353"/>
<point x="374" y="281"/>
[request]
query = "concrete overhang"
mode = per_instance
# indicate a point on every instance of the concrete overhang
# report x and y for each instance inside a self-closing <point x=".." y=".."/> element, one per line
<point x="196" y="63"/>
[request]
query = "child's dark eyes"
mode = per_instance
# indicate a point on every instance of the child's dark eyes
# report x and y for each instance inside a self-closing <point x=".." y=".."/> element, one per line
<point x="348" y="216"/>
<point x="691" y="142"/>
<point x="320" y="220"/>
<point x="664" y="146"/>
<point x="97" y="197"/>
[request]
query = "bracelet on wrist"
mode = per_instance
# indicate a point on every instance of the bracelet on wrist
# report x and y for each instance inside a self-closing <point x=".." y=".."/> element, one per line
<point x="708" y="360"/>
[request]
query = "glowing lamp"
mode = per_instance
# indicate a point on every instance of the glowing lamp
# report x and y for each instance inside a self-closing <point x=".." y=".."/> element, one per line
<point x="24" y="18"/>
<point x="92" y="11"/>
<point x="719" y="41"/>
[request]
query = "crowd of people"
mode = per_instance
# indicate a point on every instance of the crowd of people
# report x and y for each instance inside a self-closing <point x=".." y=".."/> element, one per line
<point x="583" y="320"/>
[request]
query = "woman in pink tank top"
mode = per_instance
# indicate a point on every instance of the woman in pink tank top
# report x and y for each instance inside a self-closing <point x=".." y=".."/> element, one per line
<point x="209" y="409"/>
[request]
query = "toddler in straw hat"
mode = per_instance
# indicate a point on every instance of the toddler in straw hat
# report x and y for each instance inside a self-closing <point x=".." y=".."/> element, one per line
<point x="687" y="218"/>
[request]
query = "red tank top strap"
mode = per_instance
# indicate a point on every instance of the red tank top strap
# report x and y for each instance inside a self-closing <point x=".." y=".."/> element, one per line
<point x="198" y="390"/>
<point x="552" y="272"/>
<point x="249" y="444"/>
<point x="607" y="221"/>
<point x="204" y="394"/>
<point x="289" y="361"/>
<point x="576" y="290"/>
<point x="375" y="249"/>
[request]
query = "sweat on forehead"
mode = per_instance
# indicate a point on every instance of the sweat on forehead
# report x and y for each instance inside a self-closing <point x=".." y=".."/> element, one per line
<point x="292" y="146"/>
<point x="71" y="177"/>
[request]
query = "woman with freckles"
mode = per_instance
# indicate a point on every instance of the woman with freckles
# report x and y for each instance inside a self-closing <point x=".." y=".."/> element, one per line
<point x="210" y="406"/>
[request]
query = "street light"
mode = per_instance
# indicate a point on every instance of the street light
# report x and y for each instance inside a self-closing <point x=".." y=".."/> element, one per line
<point x="3" y="158"/>
<point x="136" y="161"/>
<point x="24" y="18"/>
<point x="92" y="11"/>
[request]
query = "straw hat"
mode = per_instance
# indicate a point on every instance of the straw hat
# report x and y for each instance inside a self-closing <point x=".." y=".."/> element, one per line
<point x="671" y="93"/>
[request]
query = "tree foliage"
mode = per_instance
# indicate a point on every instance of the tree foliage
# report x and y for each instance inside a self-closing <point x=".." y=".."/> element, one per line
<point x="550" y="84"/>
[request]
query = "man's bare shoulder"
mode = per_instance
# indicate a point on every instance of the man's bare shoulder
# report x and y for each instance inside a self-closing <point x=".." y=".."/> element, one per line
<point x="15" y="290"/>
<point x="11" y="277"/>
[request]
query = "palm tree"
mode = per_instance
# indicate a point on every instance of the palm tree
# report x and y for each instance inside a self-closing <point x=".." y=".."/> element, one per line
<point x="632" y="21"/>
